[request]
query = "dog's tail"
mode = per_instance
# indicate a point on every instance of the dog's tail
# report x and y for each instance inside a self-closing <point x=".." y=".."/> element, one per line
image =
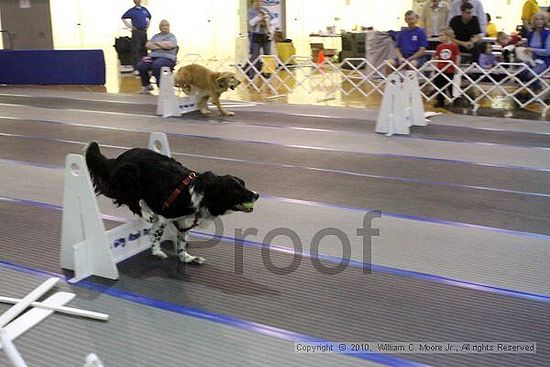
<point x="98" y="165"/>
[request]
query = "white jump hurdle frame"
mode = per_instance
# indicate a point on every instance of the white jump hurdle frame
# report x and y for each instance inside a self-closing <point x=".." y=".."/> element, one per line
<point x="168" y="103"/>
<point x="13" y="324"/>
<point x="413" y="100"/>
<point x="86" y="247"/>
<point x="402" y="105"/>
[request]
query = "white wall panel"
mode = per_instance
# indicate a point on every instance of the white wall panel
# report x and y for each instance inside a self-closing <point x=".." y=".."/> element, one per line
<point x="210" y="27"/>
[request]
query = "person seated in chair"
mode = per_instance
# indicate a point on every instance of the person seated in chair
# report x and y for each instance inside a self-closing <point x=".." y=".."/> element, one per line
<point x="537" y="52"/>
<point x="487" y="60"/>
<point x="410" y="45"/>
<point x="468" y="33"/>
<point x="538" y="43"/>
<point x="164" y="48"/>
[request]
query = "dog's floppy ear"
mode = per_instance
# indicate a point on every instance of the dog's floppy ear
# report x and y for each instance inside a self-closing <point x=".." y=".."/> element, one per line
<point x="221" y="83"/>
<point x="233" y="81"/>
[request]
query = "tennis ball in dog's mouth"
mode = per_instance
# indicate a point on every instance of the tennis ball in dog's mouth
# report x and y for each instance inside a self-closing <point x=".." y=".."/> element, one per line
<point x="249" y="205"/>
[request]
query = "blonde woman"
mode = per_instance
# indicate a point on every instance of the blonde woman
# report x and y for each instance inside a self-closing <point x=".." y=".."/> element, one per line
<point x="530" y="8"/>
<point x="537" y="51"/>
<point x="538" y="42"/>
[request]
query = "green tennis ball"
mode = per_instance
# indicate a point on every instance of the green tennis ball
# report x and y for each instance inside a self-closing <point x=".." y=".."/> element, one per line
<point x="249" y="205"/>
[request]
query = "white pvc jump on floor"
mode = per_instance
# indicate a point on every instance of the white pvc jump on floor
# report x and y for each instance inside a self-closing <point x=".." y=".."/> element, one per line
<point x="15" y="321"/>
<point x="402" y="105"/>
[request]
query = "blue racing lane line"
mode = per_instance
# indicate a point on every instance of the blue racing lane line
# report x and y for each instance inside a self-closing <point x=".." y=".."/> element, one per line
<point x="275" y="126"/>
<point x="336" y="260"/>
<point x="539" y="236"/>
<point x="381" y="268"/>
<point x="445" y="160"/>
<point x="342" y="119"/>
<point x="286" y="165"/>
<point x="245" y="325"/>
<point x="335" y="206"/>
<point x="475" y="142"/>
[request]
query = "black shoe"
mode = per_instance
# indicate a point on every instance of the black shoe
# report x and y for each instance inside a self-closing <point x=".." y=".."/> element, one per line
<point x="459" y="102"/>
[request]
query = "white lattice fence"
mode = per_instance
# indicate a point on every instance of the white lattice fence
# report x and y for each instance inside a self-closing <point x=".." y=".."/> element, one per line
<point x="357" y="76"/>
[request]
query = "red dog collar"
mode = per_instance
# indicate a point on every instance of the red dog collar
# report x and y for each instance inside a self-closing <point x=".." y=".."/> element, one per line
<point x="182" y="185"/>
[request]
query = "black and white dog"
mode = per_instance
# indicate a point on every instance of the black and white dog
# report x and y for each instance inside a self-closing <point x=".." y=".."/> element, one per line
<point x="164" y="192"/>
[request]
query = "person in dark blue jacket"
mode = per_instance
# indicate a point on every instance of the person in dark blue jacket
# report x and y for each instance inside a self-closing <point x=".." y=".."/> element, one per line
<point x="137" y="19"/>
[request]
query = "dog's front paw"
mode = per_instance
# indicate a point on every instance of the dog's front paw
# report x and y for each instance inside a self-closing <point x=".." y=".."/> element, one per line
<point x="205" y="111"/>
<point x="198" y="260"/>
<point x="159" y="253"/>
<point x="227" y="113"/>
<point x="190" y="259"/>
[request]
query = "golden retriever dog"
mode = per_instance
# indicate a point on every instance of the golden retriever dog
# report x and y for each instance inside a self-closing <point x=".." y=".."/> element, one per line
<point x="206" y="84"/>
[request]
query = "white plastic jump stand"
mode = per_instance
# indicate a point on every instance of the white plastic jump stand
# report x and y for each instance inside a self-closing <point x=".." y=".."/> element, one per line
<point x="392" y="118"/>
<point x="168" y="103"/>
<point x="86" y="247"/>
<point x="84" y="244"/>
<point x="159" y="143"/>
<point x="413" y="100"/>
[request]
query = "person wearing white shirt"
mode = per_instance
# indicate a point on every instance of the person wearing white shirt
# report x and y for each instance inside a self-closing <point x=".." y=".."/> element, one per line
<point x="477" y="11"/>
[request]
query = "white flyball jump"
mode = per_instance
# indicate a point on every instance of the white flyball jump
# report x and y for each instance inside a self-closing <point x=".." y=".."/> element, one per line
<point x="86" y="247"/>
<point x="413" y="100"/>
<point x="402" y="105"/>
<point x="168" y="103"/>
<point x="15" y="321"/>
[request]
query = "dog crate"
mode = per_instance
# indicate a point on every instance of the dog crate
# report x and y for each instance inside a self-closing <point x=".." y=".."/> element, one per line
<point x="353" y="46"/>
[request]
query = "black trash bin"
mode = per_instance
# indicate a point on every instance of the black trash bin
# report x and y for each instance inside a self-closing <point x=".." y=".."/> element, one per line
<point x="123" y="47"/>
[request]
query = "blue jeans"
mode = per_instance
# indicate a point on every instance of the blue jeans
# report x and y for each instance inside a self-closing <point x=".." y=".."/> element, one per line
<point x="525" y="76"/>
<point x="154" y="66"/>
<point x="255" y="48"/>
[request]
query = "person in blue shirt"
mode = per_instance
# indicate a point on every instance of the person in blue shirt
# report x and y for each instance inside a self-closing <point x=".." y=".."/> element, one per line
<point x="260" y="29"/>
<point x="487" y="59"/>
<point x="137" y="19"/>
<point x="164" y="48"/>
<point x="538" y="43"/>
<point x="410" y="45"/>
<point x="538" y="48"/>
